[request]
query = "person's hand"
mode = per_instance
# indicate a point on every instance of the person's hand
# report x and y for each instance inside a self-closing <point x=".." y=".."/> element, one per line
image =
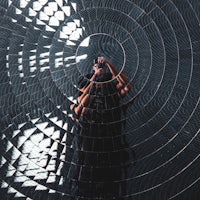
<point x="101" y="59"/>
<point x="97" y="71"/>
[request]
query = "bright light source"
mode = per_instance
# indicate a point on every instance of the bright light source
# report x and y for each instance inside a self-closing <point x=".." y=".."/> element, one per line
<point x="31" y="12"/>
<point x="85" y="42"/>
<point x="54" y="21"/>
<point x="43" y="16"/>
<point x="75" y="36"/>
<point x="66" y="30"/>
<point x="74" y="5"/>
<point x="82" y="57"/>
<point x="60" y="2"/>
<point x="67" y="10"/>
<point x="18" y="11"/>
<point x="53" y="6"/>
<point x="23" y="3"/>
<point x="72" y="25"/>
<point x="48" y="28"/>
<point x="60" y="15"/>
<point x="42" y="2"/>
<point x="37" y="6"/>
<point x="48" y="11"/>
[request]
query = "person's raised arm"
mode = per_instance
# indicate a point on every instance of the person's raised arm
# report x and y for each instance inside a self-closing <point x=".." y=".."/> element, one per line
<point x="84" y="99"/>
<point x="123" y="83"/>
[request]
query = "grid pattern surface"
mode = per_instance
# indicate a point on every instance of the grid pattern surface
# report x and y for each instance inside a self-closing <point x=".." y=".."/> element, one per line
<point x="46" y="45"/>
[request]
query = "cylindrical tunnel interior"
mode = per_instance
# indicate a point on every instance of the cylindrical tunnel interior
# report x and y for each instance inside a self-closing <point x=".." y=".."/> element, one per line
<point x="141" y="145"/>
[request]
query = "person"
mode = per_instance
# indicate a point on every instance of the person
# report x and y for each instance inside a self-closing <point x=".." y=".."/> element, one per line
<point x="101" y="149"/>
<point x="122" y="87"/>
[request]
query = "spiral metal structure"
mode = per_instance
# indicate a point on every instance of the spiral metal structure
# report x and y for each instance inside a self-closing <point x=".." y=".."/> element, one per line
<point x="46" y="45"/>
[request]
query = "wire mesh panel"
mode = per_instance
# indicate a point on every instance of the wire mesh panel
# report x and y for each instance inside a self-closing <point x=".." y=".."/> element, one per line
<point x="148" y="151"/>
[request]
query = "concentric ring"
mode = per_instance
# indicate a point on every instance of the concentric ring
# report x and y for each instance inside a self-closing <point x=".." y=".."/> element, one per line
<point x="96" y="45"/>
<point x="46" y="47"/>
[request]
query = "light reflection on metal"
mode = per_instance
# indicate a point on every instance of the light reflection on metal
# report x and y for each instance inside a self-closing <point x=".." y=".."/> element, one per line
<point x="39" y="74"/>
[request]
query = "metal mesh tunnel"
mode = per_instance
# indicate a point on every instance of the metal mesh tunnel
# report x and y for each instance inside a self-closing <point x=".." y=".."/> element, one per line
<point x="46" y="46"/>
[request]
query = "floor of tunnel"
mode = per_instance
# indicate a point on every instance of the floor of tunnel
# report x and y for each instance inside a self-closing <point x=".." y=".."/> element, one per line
<point x="148" y="146"/>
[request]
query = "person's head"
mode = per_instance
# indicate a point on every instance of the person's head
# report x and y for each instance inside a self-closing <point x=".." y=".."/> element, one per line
<point x="99" y="68"/>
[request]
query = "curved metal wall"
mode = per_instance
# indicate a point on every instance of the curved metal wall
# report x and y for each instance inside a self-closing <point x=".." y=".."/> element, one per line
<point x="46" y="45"/>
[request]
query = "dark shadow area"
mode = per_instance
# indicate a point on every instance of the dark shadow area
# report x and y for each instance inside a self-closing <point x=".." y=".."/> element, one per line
<point x="101" y="155"/>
